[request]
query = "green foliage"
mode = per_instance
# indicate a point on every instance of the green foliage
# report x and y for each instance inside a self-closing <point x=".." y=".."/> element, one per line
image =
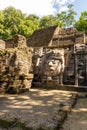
<point x="66" y="18"/>
<point x="47" y="21"/>
<point x="1" y="17"/>
<point x="29" y="25"/>
<point x="81" y="24"/>
<point x="13" y="21"/>
<point x="61" y="19"/>
<point x="32" y="23"/>
<point x="1" y="24"/>
<point x="32" y="17"/>
<point x="70" y="18"/>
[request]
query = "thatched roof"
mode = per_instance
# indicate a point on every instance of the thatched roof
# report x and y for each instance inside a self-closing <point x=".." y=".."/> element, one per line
<point x="42" y="37"/>
<point x="55" y="37"/>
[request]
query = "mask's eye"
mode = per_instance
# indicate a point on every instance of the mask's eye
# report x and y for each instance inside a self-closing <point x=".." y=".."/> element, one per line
<point x="54" y="62"/>
<point x="48" y="61"/>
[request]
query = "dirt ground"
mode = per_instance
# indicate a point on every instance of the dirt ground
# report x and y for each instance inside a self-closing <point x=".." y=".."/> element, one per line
<point x="77" y="119"/>
<point x="35" y="108"/>
<point x="39" y="108"/>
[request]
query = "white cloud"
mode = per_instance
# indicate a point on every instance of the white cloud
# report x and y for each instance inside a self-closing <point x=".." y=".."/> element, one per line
<point x="62" y="2"/>
<point x="61" y="5"/>
<point x="63" y="8"/>
<point x="39" y="7"/>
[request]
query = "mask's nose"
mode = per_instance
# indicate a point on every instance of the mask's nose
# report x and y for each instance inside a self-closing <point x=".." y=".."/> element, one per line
<point x="50" y="63"/>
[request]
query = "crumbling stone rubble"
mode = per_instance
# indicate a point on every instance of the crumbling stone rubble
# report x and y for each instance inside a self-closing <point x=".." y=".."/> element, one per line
<point x="14" y="67"/>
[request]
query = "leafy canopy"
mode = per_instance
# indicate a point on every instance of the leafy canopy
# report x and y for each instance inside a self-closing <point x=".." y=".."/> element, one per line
<point x="81" y="24"/>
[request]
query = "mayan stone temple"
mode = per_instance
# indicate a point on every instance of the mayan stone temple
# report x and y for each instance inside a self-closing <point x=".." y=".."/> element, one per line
<point x="50" y="58"/>
<point x="43" y="80"/>
<point x="59" y="58"/>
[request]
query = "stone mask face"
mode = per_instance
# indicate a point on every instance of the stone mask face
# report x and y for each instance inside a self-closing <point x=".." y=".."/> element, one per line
<point x="54" y="64"/>
<point x="52" y="67"/>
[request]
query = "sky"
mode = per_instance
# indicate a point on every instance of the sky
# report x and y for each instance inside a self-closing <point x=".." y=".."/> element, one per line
<point x="45" y="7"/>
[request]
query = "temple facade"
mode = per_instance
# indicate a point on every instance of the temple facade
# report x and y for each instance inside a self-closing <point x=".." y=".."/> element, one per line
<point x="59" y="57"/>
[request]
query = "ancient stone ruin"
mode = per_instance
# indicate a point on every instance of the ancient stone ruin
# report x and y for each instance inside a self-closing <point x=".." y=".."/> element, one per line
<point x="50" y="58"/>
<point x="60" y="57"/>
<point x="15" y="62"/>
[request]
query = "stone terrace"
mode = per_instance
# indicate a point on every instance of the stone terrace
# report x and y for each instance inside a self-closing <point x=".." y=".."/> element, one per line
<point x="37" y="109"/>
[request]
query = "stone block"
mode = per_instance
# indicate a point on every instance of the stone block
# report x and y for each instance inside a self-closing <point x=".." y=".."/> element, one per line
<point x="19" y="40"/>
<point x="27" y="83"/>
<point x="2" y="44"/>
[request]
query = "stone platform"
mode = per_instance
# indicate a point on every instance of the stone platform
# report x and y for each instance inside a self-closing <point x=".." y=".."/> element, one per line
<point x="35" y="110"/>
<point x="55" y="86"/>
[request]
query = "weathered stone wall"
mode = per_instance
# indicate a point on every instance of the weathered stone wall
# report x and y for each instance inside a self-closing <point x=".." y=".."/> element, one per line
<point x="15" y="66"/>
<point x="68" y="37"/>
<point x="2" y="45"/>
<point x="9" y="43"/>
<point x="62" y="66"/>
<point x="48" y="65"/>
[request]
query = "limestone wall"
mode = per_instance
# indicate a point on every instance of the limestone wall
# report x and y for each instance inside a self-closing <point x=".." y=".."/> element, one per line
<point x="62" y="66"/>
<point x="15" y="66"/>
<point x="2" y="45"/>
<point x="9" y="43"/>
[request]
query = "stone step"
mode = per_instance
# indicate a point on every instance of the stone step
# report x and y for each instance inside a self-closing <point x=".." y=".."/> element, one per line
<point x="60" y="87"/>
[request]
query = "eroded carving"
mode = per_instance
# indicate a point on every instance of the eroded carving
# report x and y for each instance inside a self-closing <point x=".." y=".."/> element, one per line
<point x="54" y="63"/>
<point x="49" y="64"/>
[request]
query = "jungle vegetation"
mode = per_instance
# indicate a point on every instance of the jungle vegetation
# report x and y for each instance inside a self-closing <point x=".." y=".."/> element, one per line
<point x="14" y="21"/>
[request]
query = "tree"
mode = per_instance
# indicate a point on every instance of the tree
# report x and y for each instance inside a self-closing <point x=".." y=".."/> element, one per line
<point x="81" y="24"/>
<point x="1" y="24"/>
<point x="34" y="19"/>
<point x="12" y="20"/>
<point x="61" y="19"/>
<point x="66" y="18"/>
<point x="29" y="25"/>
<point x="70" y="18"/>
<point x="47" y="21"/>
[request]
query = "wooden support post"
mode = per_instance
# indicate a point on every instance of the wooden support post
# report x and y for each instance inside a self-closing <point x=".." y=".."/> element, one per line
<point x="76" y="70"/>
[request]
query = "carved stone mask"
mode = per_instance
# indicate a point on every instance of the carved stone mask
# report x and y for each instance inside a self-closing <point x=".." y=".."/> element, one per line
<point x="54" y="63"/>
